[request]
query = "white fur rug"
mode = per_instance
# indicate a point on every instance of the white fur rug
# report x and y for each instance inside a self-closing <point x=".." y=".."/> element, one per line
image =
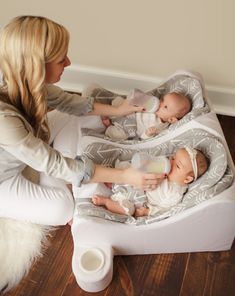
<point x="20" y="244"/>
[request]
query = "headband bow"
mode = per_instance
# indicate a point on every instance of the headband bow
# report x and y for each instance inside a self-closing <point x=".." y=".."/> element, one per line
<point x="193" y="157"/>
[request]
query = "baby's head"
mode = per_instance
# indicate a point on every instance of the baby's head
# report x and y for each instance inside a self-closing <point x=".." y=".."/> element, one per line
<point x="173" y="106"/>
<point x="187" y="165"/>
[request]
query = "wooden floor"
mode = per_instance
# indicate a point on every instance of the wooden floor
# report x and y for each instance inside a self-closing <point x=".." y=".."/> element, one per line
<point x="194" y="274"/>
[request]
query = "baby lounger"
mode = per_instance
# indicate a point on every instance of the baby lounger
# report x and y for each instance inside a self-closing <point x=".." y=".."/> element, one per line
<point x="188" y="83"/>
<point x="204" y="221"/>
<point x="218" y="176"/>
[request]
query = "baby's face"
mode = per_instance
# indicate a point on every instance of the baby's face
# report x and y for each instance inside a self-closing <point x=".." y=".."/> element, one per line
<point x="181" y="167"/>
<point x="168" y="108"/>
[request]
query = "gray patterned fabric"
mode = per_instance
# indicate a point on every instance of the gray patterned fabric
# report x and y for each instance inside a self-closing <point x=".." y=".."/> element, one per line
<point x="126" y="123"/>
<point x="182" y="83"/>
<point x="218" y="176"/>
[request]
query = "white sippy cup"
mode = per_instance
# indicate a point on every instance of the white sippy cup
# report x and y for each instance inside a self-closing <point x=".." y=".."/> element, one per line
<point x="137" y="97"/>
<point x="151" y="164"/>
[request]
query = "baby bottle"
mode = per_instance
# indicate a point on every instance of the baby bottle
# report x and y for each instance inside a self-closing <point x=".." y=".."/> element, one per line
<point x="151" y="164"/>
<point x="150" y="103"/>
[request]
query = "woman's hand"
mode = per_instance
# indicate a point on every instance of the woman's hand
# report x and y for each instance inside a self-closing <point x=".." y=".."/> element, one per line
<point x="126" y="108"/>
<point x="123" y="109"/>
<point x="141" y="180"/>
<point x="129" y="176"/>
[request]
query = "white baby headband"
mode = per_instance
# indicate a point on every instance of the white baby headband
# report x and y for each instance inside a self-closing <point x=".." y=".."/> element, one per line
<point x="193" y="157"/>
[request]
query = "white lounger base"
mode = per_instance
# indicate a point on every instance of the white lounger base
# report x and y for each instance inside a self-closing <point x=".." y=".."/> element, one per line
<point x="210" y="226"/>
<point x="205" y="227"/>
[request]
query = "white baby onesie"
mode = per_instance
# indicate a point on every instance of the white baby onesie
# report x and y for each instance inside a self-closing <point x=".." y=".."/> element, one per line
<point x="147" y="120"/>
<point x="166" y="195"/>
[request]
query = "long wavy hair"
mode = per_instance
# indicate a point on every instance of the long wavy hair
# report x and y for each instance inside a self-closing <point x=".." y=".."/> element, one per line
<point x="27" y="43"/>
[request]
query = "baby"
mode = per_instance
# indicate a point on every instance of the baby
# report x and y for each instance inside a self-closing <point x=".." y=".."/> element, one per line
<point x="187" y="165"/>
<point x="173" y="106"/>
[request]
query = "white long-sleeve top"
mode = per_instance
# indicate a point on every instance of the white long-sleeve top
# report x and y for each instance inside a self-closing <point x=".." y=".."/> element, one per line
<point x="19" y="147"/>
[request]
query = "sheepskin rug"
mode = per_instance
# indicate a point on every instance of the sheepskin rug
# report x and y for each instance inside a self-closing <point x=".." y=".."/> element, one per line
<point x="21" y="244"/>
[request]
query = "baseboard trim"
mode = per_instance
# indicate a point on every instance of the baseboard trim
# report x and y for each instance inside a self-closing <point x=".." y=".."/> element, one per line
<point x="77" y="77"/>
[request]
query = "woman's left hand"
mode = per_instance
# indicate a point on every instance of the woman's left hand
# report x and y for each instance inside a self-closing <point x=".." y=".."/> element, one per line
<point x="123" y="109"/>
<point x="126" y="108"/>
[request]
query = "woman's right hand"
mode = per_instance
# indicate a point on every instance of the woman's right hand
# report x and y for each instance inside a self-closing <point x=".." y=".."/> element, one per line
<point x="141" y="180"/>
<point x="128" y="176"/>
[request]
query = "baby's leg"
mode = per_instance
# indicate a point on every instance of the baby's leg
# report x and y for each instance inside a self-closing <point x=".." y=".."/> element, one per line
<point x="109" y="204"/>
<point x="116" y="133"/>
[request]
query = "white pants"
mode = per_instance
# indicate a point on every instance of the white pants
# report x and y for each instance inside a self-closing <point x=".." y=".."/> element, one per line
<point x="50" y="202"/>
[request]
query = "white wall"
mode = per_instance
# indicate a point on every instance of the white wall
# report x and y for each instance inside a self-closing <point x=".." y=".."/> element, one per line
<point x="147" y="37"/>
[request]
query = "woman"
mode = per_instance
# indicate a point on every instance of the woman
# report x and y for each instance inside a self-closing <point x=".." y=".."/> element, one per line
<point x="33" y="55"/>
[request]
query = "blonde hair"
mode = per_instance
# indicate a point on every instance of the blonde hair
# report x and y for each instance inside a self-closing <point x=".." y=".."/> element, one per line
<point x="27" y="43"/>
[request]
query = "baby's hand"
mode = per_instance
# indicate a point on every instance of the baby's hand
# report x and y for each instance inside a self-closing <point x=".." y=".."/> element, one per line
<point x="140" y="212"/>
<point x="151" y="131"/>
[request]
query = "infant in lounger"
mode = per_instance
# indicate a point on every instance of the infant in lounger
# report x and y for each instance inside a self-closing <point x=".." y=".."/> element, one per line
<point x="158" y="115"/>
<point x="188" y="87"/>
<point x="187" y="165"/>
<point x="216" y="178"/>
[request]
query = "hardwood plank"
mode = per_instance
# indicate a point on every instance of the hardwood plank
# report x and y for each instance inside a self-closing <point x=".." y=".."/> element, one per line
<point x="210" y="273"/>
<point x="154" y="274"/>
<point x="224" y="283"/>
<point x="228" y="127"/>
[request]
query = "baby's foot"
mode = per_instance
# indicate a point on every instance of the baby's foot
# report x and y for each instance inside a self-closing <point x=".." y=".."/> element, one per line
<point x="140" y="212"/>
<point x="98" y="200"/>
<point x="106" y="121"/>
<point x="109" y="185"/>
